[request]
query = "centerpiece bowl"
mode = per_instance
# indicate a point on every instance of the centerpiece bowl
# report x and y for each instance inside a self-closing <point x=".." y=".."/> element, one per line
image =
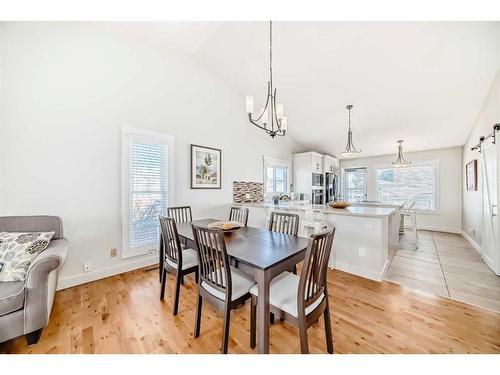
<point x="339" y="204"/>
<point x="226" y="226"/>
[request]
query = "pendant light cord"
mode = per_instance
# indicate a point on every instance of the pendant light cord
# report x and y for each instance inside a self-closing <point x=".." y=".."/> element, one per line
<point x="271" y="54"/>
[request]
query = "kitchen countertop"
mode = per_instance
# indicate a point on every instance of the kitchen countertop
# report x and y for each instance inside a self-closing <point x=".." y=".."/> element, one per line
<point x="363" y="211"/>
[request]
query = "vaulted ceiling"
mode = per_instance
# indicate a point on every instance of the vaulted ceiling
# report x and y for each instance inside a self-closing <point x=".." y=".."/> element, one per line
<point x="424" y="82"/>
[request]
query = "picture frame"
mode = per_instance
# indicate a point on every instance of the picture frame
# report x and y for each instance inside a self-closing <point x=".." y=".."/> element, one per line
<point x="206" y="167"/>
<point x="471" y="175"/>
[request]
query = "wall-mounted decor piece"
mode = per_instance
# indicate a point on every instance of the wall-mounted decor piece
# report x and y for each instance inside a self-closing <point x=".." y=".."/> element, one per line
<point x="471" y="175"/>
<point x="206" y="167"/>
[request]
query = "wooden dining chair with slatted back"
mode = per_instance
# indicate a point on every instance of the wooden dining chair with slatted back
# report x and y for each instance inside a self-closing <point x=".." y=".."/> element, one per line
<point x="220" y="284"/>
<point x="284" y="223"/>
<point x="301" y="300"/>
<point x="181" y="214"/>
<point x="178" y="261"/>
<point x="239" y="214"/>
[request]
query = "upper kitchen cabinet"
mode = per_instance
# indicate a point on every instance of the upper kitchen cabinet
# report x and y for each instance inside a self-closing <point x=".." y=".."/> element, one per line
<point x="330" y="164"/>
<point x="317" y="162"/>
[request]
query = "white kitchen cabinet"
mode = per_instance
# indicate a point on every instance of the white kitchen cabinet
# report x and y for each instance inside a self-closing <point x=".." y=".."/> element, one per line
<point x="330" y="164"/>
<point x="317" y="162"/>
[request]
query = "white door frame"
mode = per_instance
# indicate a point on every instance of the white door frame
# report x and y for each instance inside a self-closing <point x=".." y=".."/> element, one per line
<point x="490" y="241"/>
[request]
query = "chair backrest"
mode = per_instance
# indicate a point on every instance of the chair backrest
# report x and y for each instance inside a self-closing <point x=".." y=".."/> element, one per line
<point x="171" y="243"/>
<point x="38" y="223"/>
<point x="284" y="223"/>
<point x="214" y="267"/>
<point x="239" y="214"/>
<point x="181" y="214"/>
<point x="313" y="276"/>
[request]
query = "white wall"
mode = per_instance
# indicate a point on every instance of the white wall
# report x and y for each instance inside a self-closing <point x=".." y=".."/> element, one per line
<point x="472" y="204"/>
<point x="449" y="218"/>
<point x="68" y="88"/>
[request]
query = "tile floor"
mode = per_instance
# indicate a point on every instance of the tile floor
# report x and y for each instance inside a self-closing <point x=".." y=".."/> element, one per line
<point x="445" y="264"/>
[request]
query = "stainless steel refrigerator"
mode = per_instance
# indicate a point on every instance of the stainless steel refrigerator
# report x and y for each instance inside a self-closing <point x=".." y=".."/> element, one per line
<point x="331" y="187"/>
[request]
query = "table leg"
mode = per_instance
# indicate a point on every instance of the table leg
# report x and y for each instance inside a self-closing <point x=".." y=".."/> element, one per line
<point x="263" y="281"/>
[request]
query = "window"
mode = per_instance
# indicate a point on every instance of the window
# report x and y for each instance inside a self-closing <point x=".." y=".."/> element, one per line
<point x="355" y="184"/>
<point x="416" y="183"/>
<point x="145" y="189"/>
<point x="275" y="175"/>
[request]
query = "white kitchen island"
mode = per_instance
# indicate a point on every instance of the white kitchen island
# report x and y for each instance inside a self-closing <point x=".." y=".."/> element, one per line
<point x="365" y="236"/>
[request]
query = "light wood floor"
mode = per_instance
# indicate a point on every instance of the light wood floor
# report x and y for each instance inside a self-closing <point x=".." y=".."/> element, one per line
<point x="123" y="314"/>
<point x="445" y="264"/>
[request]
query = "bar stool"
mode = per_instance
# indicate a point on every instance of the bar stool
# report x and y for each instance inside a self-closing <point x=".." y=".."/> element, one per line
<point x="412" y="215"/>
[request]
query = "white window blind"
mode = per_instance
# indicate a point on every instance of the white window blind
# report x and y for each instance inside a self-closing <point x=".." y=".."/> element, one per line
<point x="414" y="183"/>
<point x="147" y="192"/>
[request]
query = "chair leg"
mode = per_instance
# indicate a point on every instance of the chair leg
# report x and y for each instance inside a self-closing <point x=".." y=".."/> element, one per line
<point x="253" y="321"/>
<point x="182" y="280"/>
<point x="197" y="320"/>
<point x="163" y="284"/>
<point x="196" y="277"/>
<point x="225" y="334"/>
<point x="304" y="346"/>
<point x="33" y="337"/>
<point x="328" y="329"/>
<point x="178" y="282"/>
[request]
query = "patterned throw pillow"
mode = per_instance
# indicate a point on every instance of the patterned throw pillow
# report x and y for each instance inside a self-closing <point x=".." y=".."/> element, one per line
<point x="18" y="251"/>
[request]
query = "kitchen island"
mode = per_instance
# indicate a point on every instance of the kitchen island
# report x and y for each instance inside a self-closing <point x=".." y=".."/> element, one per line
<point x="365" y="236"/>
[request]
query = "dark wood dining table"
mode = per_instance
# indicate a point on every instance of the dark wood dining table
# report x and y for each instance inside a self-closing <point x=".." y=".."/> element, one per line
<point x="260" y="253"/>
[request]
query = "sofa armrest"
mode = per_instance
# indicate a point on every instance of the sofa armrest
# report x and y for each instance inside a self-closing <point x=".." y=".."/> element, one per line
<point x="41" y="283"/>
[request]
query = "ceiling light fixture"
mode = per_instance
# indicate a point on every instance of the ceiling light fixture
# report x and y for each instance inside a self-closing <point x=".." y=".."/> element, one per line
<point x="401" y="162"/>
<point x="272" y="119"/>
<point x="350" y="151"/>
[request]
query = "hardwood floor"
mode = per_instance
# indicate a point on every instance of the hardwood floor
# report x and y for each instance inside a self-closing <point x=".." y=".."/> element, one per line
<point x="123" y="314"/>
<point x="445" y="264"/>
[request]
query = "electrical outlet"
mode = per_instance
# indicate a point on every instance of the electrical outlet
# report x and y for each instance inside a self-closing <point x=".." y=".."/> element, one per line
<point x="152" y="251"/>
<point x="113" y="252"/>
<point x="362" y="252"/>
<point x="87" y="267"/>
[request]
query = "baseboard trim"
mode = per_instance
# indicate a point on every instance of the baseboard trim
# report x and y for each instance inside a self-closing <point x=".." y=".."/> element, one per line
<point x="437" y="229"/>
<point x="368" y="274"/>
<point x="83" y="278"/>
<point x="474" y="244"/>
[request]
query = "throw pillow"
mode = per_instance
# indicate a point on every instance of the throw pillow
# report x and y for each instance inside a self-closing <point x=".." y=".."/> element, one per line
<point x="18" y="251"/>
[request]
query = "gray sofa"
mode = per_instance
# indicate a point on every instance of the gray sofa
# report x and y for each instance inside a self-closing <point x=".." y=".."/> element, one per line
<point x="25" y="305"/>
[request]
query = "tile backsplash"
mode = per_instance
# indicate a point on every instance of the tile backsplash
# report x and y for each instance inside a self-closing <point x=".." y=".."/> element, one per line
<point x="248" y="191"/>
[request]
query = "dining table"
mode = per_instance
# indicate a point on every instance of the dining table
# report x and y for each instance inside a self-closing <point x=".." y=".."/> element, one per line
<point x="261" y="253"/>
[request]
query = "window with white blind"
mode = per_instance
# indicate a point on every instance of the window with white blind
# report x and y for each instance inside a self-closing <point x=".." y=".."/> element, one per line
<point x="417" y="183"/>
<point x="147" y="175"/>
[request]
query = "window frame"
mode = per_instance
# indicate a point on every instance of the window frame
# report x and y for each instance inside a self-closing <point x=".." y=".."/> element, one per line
<point x="344" y="185"/>
<point x="128" y="135"/>
<point x="419" y="163"/>
<point x="276" y="163"/>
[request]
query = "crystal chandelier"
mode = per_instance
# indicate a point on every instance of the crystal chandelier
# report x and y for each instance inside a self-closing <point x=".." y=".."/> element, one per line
<point x="401" y="162"/>
<point x="271" y="119"/>
<point x="350" y="151"/>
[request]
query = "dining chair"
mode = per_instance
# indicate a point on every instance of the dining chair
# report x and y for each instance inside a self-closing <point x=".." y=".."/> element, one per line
<point x="223" y="286"/>
<point x="301" y="300"/>
<point x="178" y="261"/>
<point x="239" y="214"/>
<point x="284" y="223"/>
<point x="181" y="214"/>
